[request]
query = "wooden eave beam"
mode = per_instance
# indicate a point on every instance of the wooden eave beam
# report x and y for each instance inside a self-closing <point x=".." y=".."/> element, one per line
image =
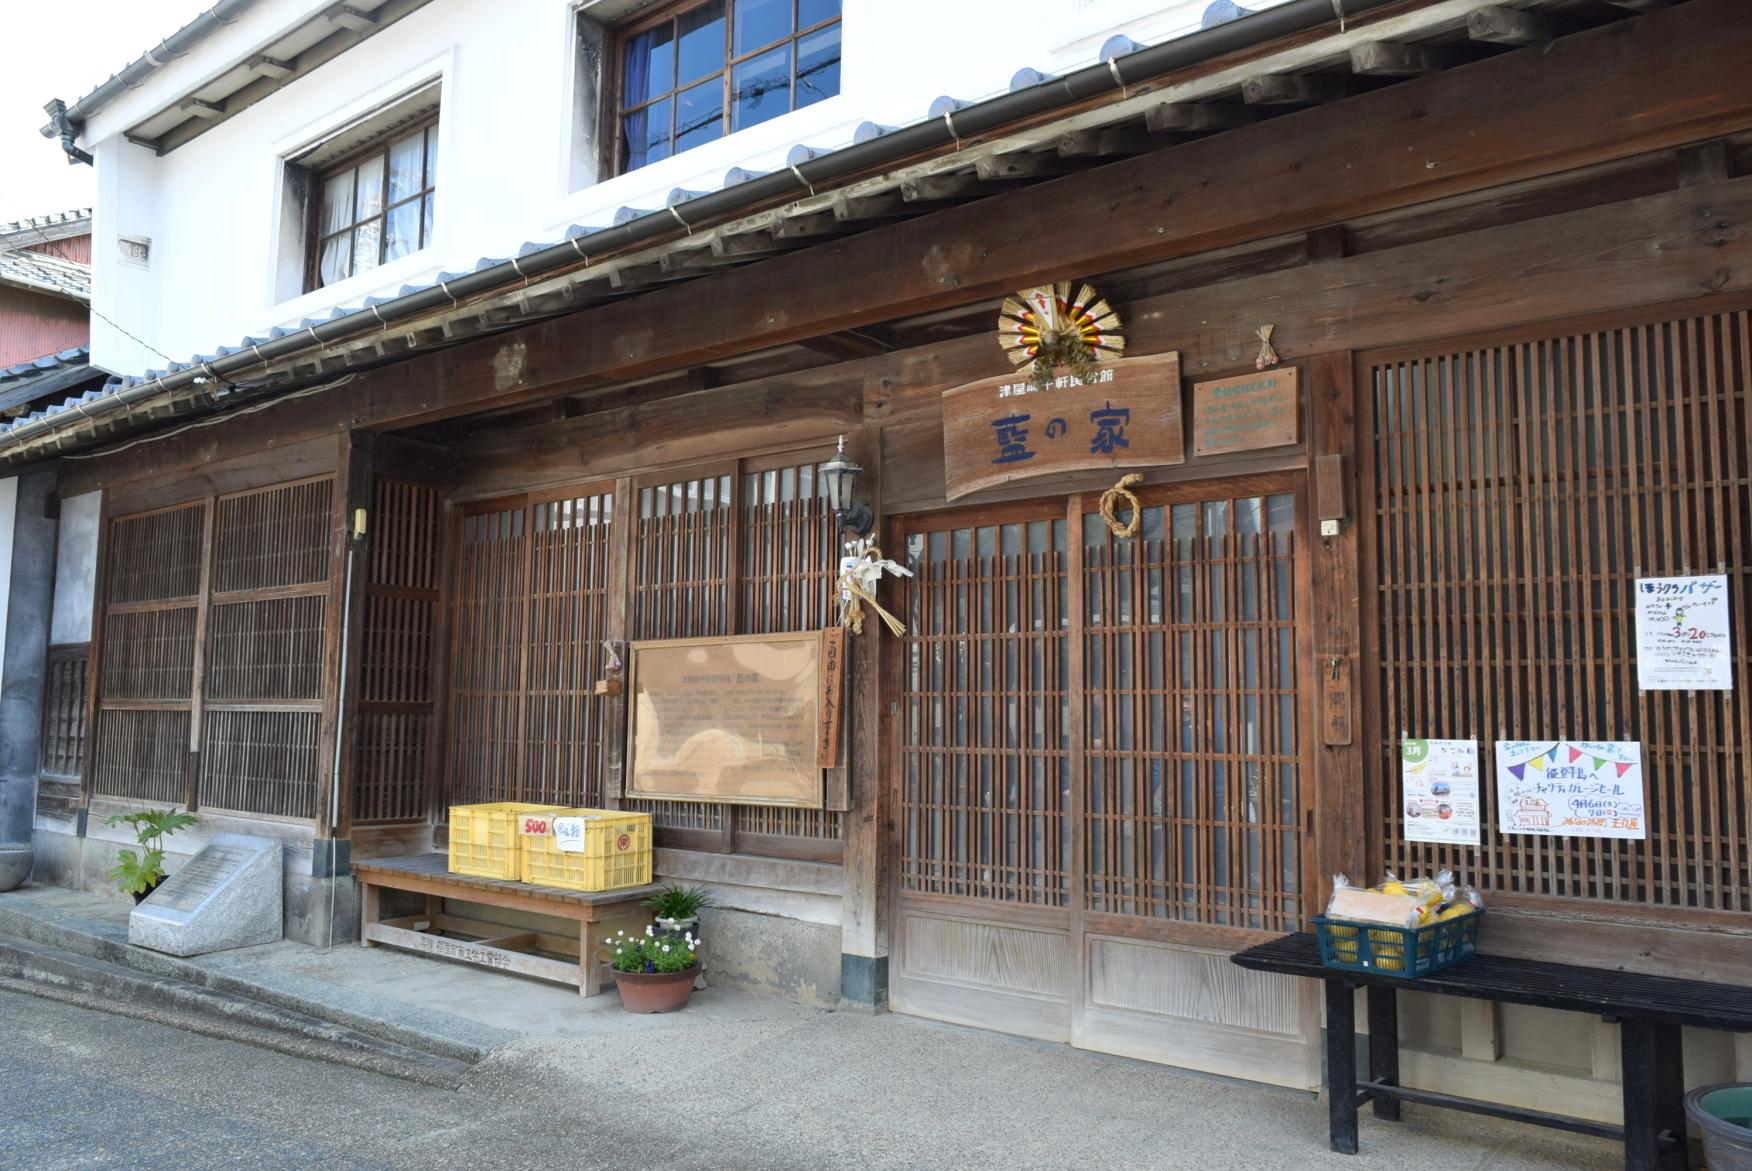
<point x="1107" y="143"/>
<point x="1199" y="117"/>
<point x="1510" y="26"/>
<point x="1293" y="89"/>
<point x="1020" y="165"/>
<point x="1388" y="59"/>
<point x="1451" y="133"/>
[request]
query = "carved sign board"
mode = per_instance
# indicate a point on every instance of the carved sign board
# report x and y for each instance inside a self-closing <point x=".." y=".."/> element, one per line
<point x="1335" y="702"/>
<point x="833" y="673"/>
<point x="1247" y="412"/>
<point x="731" y="720"/>
<point x="1125" y="415"/>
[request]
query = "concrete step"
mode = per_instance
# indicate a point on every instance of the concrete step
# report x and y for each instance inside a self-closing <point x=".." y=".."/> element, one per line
<point x="95" y="928"/>
<point x="73" y="978"/>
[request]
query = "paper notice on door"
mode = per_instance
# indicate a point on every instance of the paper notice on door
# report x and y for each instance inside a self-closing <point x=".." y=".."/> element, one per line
<point x="1682" y="641"/>
<point x="1439" y="783"/>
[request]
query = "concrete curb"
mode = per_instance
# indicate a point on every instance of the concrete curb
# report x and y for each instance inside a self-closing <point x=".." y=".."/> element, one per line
<point x="50" y="972"/>
<point x="429" y="1033"/>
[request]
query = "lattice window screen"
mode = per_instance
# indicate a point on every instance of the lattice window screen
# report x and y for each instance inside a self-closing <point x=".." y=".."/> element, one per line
<point x="64" y="711"/>
<point x="1518" y="492"/>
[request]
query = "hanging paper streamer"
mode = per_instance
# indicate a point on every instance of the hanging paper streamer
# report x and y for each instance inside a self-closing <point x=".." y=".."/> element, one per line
<point x="860" y="570"/>
<point x="1582" y="788"/>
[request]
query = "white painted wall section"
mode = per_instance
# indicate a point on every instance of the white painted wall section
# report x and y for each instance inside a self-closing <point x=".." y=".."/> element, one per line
<point x="75" y="569"/>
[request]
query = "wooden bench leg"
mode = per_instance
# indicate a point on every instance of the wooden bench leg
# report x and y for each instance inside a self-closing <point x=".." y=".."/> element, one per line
<point x="1341" y="1066"/>
<point x="370" y="911"/>
<point x="1384" y="1046"/>
<point x="589" y="957"/>
<point x="1654" y="1096"/>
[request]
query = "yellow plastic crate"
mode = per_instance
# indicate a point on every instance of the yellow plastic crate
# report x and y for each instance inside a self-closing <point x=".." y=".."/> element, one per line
<point x="617" y="853"/>
<point x="484" y="839"/>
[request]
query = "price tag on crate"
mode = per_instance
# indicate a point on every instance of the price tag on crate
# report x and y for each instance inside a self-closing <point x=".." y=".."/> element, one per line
<point x="569" y="834"/>
<point x="535" y="825"/>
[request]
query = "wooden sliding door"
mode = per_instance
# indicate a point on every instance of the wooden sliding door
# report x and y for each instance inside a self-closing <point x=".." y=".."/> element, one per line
<point x="1099" y="764"/>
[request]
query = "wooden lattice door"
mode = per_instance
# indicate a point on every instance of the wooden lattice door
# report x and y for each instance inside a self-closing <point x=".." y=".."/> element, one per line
<point x="1098" y="766"/>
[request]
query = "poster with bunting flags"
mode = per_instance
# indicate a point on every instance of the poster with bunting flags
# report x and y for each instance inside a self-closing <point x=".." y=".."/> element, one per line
<point x="1571" y="788"/>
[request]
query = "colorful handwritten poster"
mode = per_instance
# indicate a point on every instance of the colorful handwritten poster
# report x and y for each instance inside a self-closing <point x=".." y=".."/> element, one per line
<point x="1571" y="788"/>
<point x="1682" y="639"/>
<point x="1439" y="782"/>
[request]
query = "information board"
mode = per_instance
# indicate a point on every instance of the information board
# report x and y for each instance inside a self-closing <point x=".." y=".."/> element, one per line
<point x="1124" y="414"/>
<point x="1439" y="784"/>
<point x="1246" y="413"/>
<point x="1571" y="788"/>
<point x="735" y="720"/>
<point x="1682" y="641"/>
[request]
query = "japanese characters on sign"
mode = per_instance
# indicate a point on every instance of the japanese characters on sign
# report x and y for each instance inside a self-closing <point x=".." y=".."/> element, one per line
<point x="1439" y="784"/>
<point x="1246" y="413"/>
<point x="1123" y="414"/>
<point x="1571" y="788"/>
<point x="1682" y="639"/>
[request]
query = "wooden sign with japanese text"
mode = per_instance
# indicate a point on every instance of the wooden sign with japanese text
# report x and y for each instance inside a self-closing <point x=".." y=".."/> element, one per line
<point x="735" y="720"/>
<point x="1335" y="702"/>
<point x="833" y="674"/>
<point x="1126" y="415"/>
<point x="1247" y="412"/>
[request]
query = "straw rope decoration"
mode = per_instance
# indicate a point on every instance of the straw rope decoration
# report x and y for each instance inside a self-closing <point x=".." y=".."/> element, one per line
<point x="1110" y="505"/>
<point x="860" y="570"/>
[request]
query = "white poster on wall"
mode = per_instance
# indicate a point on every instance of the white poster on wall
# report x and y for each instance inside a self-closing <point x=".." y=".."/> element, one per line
<point x="1571" y="788"/>
<point x="1439" y="783"/>
<point x="1682" y="641"/>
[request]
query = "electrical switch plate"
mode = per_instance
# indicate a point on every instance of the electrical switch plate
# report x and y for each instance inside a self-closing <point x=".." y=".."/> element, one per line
<point x="1329" y="528"/>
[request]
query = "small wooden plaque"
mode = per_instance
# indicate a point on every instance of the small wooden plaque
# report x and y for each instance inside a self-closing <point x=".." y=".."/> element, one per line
<point x="833" y="674"/>
<point x="1335" y="701"/>
<point x="1127" y="415"/>
<point x="1247" y="412"/>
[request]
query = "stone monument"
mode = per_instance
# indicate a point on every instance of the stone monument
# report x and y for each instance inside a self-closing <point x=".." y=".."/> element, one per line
<point x="228" y="895"/>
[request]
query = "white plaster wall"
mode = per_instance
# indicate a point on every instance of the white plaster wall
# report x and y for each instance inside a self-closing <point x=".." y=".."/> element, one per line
<point x="8" y="516"/>
<point x="505" y="174"/>
<point x="75" y="569"/>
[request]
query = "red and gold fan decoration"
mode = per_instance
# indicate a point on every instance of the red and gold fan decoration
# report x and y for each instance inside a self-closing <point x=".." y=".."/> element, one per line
<point x="1046" y="327"/>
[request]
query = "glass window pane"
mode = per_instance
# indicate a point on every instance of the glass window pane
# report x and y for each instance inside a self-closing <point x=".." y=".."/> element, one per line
<point x="700" y="50"/>
<point x="762" y="88"/>
<point x="337" y="202"/>
<point x="760" y="22"/>
<point x="370" y="198"/>
<point x="818" y="66"/>
<point x="404" y="230"/>
<point x="813" y="12"/>
<point x="336" y="260"/>
<point x="426" y="220"/>
<point x="406" y="160"/>
<point x="699" y="115"/>
<point x="648" y="67"/>
<point x="366" y="238"/>
<point x="647" y="134"/>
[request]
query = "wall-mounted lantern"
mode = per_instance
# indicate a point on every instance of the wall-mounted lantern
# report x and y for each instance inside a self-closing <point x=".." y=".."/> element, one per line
<point x="839" y="476"/>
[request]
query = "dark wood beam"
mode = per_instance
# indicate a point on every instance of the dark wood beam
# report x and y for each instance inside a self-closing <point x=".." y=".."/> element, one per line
<point x="1516" y="116"/>
<point x="850" y="344"/>
<point x="1020" y="165"/>
<point x="957" y="185"/>
<point x="1390" y="59"/>
<point x="1510" y="26"/>
<point x="1293" y="89"/>
<point x="1107" y="143"/>
<point x="1199" y="117"/>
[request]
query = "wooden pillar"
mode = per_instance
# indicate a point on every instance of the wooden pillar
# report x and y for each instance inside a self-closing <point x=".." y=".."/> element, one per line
<point x="863" y="919"/>
<point x="348" y="572"/>
<point x="1338" y="819"/>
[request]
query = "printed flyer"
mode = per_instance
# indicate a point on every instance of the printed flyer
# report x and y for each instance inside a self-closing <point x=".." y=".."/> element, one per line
<point x="1682" y="639"/>
<point x="1439" y="782"/>
<point x="1571" y="788"/>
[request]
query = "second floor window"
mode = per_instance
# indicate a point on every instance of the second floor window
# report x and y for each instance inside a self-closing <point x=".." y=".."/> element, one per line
<point x="698" y="71"/>
<point x="376" y="204"/>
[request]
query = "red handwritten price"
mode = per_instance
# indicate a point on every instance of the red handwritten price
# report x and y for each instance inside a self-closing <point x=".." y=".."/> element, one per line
<point x="536" y="826"/>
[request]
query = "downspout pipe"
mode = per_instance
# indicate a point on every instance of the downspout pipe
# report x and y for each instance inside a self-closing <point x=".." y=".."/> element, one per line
<point x="1114" y="74"/>
<point x="68" y="120"/>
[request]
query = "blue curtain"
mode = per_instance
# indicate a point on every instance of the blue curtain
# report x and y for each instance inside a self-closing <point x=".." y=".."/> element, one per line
<point x="635" y="85"/>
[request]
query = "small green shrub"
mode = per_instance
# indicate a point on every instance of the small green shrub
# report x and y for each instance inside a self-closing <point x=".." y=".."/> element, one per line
<point x="651" y="952"/>
<point x="137" y="873"/>
<point x="675" y="901"/>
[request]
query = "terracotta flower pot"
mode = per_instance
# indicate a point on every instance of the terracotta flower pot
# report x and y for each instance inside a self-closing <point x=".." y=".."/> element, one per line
<point x="656" y="991"/>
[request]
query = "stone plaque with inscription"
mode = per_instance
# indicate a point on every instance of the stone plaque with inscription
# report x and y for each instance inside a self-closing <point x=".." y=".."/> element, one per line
<point x="1247" y="412"/>
<point x="228" y="895"/>
<point x="736" y="720"/>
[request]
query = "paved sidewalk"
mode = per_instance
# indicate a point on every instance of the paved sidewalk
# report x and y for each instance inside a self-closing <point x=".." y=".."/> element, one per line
<point x="745" y="1081"/>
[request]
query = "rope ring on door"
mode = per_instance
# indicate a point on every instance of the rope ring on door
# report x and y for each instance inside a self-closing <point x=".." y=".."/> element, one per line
<point x="1110" y="505"/>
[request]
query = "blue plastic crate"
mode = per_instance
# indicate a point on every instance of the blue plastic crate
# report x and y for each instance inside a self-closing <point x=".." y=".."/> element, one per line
<point x="1406" y="952"/>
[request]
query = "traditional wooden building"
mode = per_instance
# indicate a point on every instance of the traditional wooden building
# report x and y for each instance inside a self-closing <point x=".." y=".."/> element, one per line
<point x="364" y="567"/>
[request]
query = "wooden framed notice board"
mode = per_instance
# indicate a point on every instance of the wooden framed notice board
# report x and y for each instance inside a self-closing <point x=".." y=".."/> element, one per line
<point x="743" y="720"/>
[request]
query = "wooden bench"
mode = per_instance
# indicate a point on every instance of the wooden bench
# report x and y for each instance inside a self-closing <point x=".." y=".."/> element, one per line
<point x="1649" y="1010"/>
<point x="494" y="945"/>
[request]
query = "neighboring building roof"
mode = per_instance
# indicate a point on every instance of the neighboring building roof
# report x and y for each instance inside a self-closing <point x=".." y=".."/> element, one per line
<point x="50" y="375"/>
<point x="45" y="229"/>
<point x="42" y="273"/>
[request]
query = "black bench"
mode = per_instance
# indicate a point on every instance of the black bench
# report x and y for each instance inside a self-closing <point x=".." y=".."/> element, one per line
<point x="1649" y="1010"/>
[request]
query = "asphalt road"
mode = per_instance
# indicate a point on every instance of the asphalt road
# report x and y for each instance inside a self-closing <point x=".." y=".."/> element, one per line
<point x="757" y="1084"/>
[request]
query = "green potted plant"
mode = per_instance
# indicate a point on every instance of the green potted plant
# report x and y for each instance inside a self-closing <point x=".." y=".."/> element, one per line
<point x="677" y="908"/>
<point x="139" y="874"/>
<point x="655" y="973"/>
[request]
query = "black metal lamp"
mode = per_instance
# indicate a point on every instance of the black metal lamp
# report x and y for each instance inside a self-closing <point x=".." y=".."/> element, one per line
<point x="839" y="476"/>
